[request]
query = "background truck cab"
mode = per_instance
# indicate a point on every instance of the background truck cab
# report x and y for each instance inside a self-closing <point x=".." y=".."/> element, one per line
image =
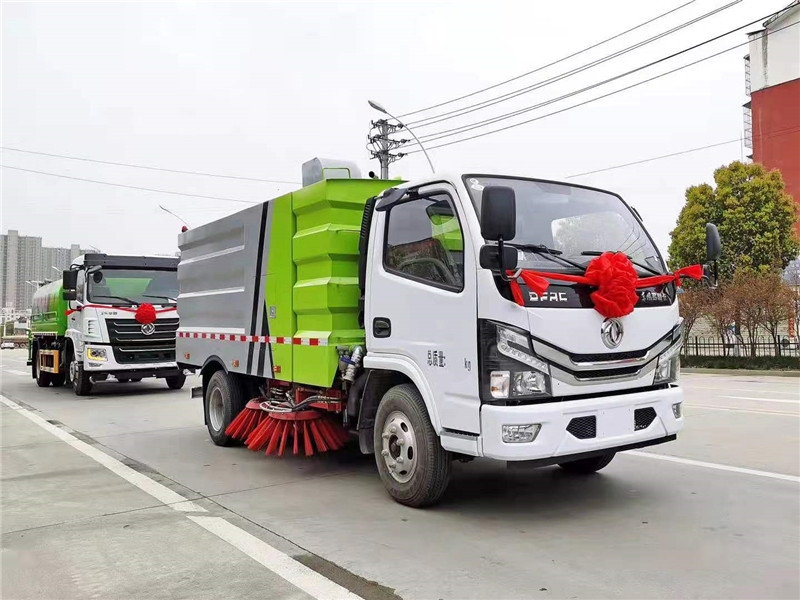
<point x="109" y="316"/>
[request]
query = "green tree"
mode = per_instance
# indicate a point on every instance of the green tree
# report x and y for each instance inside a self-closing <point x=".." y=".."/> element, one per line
<point x="755" y="216"/>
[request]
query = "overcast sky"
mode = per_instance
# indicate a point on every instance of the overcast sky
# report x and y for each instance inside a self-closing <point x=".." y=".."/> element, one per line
<point x="256" y="88"/>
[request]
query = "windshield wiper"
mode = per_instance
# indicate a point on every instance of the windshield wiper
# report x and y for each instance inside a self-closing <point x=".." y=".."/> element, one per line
<point x="156" y="296"/>
<point x="549" y="253"/>
<point x="128" y="300"/>
<point x="638" y="264"/>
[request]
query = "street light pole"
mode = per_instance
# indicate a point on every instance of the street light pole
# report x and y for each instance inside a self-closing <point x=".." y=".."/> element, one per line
<point x="385" y="143"/>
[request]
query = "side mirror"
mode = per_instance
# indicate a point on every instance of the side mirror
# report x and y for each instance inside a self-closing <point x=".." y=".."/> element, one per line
<point x="713" y="243"/>
<point x="490" y="258"/>
<point x="69" y="280"/>
<point x="69" y="295"/>
<point x="498" y="213"/>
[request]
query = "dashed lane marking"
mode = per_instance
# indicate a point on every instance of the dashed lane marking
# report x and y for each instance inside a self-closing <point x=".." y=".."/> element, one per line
<point x="15" y="372"/>
<point x="743" y="410"/>
<point x="780" y="400"/>
<point x="716" y="466"/>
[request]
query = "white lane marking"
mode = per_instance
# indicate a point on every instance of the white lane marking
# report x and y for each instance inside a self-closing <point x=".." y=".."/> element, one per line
<point x="15" y="372"/>
<point x="281" y="564"/>
<point x="745" y="410"/>
<point x="761" y="399"/>
<point x="717" y="466"/>
<point x="143" y="482"/>
<point x="728" y="389"/>
<point x="276" y="561"/>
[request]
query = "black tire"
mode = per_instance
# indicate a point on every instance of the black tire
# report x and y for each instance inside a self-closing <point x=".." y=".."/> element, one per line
<point x="585" y="466"/>
<point x="135" y="379"/>
<point x="233" y="400"/>
<point x="175" y="382"/>
<point x="123" y="379"/>
<point x="58" y="379"/>
<point x="81" y="384"/>
<point x="431" y="473"/>
<point x="42" y="379"/>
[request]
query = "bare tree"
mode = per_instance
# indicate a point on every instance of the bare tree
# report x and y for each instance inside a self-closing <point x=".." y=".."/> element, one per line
<point x="748" y="293"/>
<point x="693" y="303"/>
<point x="779" y="300"/>
<point x="721" y="313"/>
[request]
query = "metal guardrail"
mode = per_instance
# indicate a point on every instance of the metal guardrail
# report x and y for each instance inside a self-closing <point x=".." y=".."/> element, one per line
<point x="739" y="346"/>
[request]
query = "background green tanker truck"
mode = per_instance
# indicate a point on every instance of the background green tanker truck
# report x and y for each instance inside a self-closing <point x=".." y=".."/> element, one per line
<point x="110" y="316"/>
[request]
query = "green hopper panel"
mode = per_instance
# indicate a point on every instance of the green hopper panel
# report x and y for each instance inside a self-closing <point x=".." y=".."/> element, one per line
<point x="48" y="312"/>
<point x="325" y="255"/>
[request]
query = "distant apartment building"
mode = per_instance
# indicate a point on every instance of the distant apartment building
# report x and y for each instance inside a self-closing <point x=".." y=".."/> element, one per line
<point x="23" y="259"/>
<point x="772" y="81"/>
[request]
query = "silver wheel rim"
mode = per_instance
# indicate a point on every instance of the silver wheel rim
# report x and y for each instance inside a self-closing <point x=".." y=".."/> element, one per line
<point x="399" y="447"/>
<point x="72" y="369"/>
<point x="216" y="411"/>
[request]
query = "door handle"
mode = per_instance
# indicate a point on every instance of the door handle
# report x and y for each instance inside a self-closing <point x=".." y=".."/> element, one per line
<point x="381" y="327"/>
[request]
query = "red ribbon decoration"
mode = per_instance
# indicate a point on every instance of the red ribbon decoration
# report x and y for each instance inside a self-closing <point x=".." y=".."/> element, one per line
<point x="146" y="313"/>
<point x="615" y="278"/>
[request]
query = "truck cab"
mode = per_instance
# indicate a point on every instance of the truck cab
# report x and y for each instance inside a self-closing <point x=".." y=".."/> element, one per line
<point x="549" y="380"/>
<point x="110" y="316"/>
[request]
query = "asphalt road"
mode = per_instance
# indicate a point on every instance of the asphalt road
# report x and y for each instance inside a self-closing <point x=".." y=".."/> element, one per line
<point x="715" y="514"/>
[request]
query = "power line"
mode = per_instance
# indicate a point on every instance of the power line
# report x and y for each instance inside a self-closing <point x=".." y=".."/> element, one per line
<point x="544" y="83"/>
<point x="120" y="164"/>
<point x="498" y="118"/>
<point x="639" y="162"/>
<point x="496" y="85"/>
<point x="779" y="133"/>
<point x="555" y="112"/>
<point x="132" y="187"/>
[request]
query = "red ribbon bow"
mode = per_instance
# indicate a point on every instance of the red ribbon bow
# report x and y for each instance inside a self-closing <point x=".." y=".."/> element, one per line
<point x="615" y="278"/>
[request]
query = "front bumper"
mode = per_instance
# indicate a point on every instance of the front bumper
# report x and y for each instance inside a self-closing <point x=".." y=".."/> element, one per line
<point x="614" y="418"/>
<point x="112" y="367"/>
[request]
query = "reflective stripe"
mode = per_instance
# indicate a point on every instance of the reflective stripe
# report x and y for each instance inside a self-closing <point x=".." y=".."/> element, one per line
<point x="257" y="339"/>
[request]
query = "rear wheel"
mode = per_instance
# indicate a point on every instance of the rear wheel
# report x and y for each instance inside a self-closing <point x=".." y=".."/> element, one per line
<point x="135" y="379"/>
<point x="81" y="384"/>
<point x="223" y="400"/>
<point x="586" y="466"/>
<point x="413" y="466"/>
<point x="176" y="381"/>
<point x="123" y="379"/>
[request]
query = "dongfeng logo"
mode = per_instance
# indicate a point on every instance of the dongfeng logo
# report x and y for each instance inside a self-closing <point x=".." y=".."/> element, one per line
<point x="148" y="329"/>
<point x="611" y="332"/>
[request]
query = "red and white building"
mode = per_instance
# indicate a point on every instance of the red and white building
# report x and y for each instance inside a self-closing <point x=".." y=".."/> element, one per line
<point x="772" y="79"/>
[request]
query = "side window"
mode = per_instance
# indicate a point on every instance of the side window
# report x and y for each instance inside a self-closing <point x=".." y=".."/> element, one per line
<point x="424" y="241"/>
<point x="80" y="286"/>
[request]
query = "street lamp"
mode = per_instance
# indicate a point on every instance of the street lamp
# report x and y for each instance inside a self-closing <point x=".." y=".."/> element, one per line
<point x="380" y="108"/>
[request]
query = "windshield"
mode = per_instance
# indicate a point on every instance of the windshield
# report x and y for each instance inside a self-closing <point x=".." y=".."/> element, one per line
<point x="578" y="223"/>
<point x="132" y="286"/>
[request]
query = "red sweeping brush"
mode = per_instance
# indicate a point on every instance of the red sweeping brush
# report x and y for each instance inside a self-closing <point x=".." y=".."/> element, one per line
<point x="259" y="428"/>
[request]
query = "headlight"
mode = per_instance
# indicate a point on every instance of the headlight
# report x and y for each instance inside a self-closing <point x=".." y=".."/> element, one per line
<point x="96" y="354"/>
<point x="669" y="365"/>
<point x="509" y="368"/>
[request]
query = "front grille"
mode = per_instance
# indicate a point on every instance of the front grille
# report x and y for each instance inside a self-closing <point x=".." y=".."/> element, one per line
<point x="643" y="417"/>
<point x="600" y="373"/>
<point x="609" y="356"/>
<point x="130" y="345"/>
<point x="583" y="428"/>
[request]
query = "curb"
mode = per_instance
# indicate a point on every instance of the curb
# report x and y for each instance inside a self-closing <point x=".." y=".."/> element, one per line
<point x="768" y="372"/>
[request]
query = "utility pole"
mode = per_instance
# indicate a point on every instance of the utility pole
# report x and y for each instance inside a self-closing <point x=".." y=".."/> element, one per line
<point x="381" y="145"/>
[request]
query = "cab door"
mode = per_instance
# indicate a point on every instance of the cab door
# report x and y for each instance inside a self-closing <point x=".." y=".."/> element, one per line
<point x="421" y="301"/>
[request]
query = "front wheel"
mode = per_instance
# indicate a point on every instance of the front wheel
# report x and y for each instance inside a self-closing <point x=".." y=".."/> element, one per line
<point x="586" y="466"/>
<point x="81" y="384"/>
<point x="176" y="381"/>
<point x="413" y="466"/>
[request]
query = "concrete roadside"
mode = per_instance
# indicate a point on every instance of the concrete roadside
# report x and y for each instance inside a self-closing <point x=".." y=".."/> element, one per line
<point x="72" y="528"/>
